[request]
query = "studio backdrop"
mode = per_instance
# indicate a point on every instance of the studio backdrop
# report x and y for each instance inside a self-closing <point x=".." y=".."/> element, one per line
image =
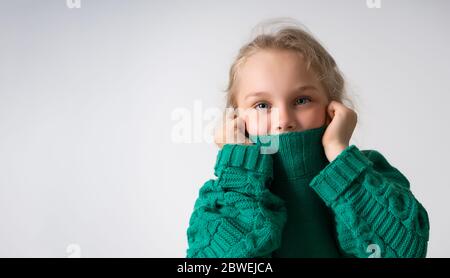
<point x="93" y="93"/>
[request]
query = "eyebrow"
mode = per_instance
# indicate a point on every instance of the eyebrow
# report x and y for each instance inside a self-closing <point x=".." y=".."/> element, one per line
<point x="300" y="89"/>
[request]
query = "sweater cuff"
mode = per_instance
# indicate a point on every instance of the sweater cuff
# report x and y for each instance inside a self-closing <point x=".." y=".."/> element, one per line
<point x="339" y="174"/>
<point x="248" y="157"/>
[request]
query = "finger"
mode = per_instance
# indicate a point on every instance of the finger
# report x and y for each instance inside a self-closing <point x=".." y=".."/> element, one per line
<point x="230" y="113"/>
<point x="248" y="142"/>
<point x="240" y="124"/>
<point x="327" y="118"/>
<point x="228" y="121"/>
<point x="331" y="110"/>
<point x="242" y="127"/>
<point x="337" y="106"/>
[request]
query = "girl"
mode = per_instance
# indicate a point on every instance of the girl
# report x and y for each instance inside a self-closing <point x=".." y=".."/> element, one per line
<point x="312" y="194"/>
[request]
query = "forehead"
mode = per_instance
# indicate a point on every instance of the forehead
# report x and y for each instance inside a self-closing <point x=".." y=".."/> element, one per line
<point x="274" y="68"/>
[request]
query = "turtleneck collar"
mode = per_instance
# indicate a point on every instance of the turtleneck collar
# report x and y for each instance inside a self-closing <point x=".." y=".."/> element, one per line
<point x="296" y="154"/>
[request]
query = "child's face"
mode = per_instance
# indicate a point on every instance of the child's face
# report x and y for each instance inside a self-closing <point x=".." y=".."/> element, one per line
<point x="276" y="81"/>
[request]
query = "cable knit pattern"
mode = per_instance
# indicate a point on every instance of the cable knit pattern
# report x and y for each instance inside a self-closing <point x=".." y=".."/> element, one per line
<point x="236" y="215"/>
<point x="373" y="204"/>
<point x="260" y="203"/>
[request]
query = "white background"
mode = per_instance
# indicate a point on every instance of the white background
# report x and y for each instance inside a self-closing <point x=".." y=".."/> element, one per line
<point x="87" y="95"/>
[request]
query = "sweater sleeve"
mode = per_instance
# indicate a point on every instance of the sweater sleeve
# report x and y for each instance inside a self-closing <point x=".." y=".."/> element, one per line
<point x="373" y="206"/>
<point x="236" y="215"/>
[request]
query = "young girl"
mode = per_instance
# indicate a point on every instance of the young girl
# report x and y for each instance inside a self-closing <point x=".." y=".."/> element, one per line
<point x="315" y="195"/>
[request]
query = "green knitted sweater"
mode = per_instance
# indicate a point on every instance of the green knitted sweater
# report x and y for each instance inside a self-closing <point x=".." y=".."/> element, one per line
<point x="289" y="201"/>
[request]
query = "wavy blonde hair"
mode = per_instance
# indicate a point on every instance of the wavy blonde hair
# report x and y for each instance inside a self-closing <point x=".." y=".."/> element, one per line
<point x="288" y="34"/>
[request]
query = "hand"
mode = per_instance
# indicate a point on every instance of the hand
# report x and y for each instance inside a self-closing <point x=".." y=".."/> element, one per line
<point x="341" y="122"/>
<point x="231" y="130"/>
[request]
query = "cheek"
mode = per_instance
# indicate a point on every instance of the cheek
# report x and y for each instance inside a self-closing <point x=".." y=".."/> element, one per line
<point x="312" y="118"/>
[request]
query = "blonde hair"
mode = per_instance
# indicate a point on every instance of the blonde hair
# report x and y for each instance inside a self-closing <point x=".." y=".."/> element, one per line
<point x="287" y="34"/>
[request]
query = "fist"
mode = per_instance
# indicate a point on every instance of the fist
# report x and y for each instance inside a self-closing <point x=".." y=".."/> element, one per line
<point x="231" y="130"/>
<point x="341" y="122"/>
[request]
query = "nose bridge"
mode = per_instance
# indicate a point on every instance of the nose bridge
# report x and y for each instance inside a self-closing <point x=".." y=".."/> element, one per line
<point x="286" y="117"/>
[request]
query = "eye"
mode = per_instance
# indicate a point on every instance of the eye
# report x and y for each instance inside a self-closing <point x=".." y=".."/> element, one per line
<point x="262" y="106"/>
<point x="303" y="100"/>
